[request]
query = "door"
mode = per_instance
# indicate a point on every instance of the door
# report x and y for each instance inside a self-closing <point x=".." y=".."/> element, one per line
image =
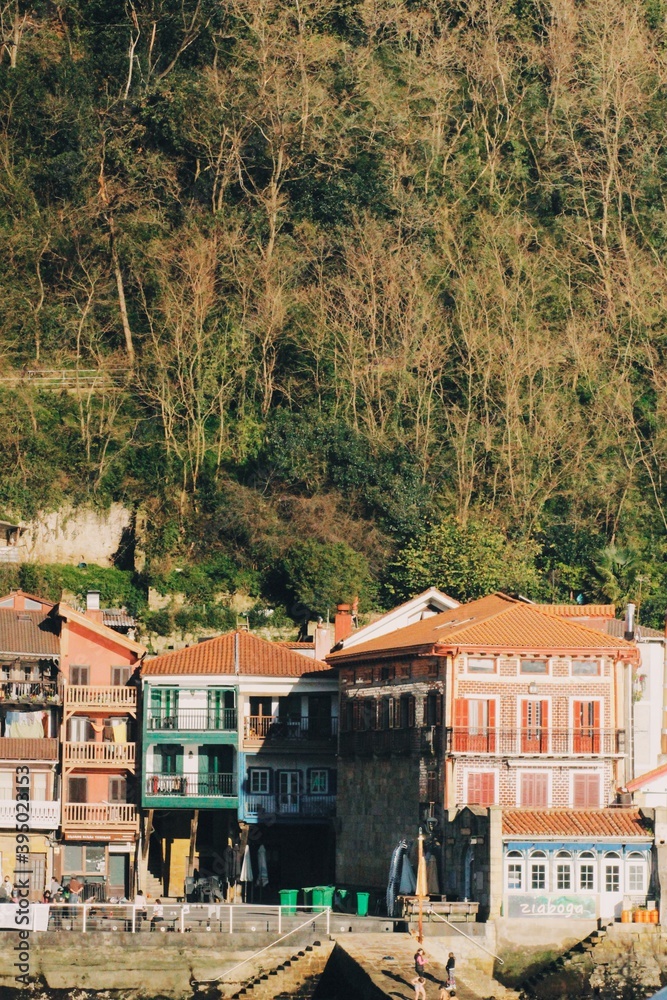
<point x="37" y="875"/>
<point x="289" y="787"/>
<point x="164" y="708"/>
<point x="80" y="729"/>
<point x="215" y="775"/>
<point x="221" y="714"/>
<point x="319" y="716"/>
<point x="534" y="726"/>
<point x="586" y="726"/>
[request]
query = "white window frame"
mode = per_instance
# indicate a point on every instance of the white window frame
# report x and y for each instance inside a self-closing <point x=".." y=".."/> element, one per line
<point x="636" y="862"/>
<point x="541" y="859"/>
<point x="563" y="859"/>
<point x="516" y="859"/>
<point x="318" y="771"/>
<point x="609" y="861"/>
<point x="256" y="773"/>
<point x="535" y="674"/>
<point x="588" y="859"/>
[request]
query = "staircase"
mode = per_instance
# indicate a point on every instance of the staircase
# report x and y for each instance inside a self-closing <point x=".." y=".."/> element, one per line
<point x="152" y="886"/>
<point x="296" y="976"/>
<point x="528" y="986"/>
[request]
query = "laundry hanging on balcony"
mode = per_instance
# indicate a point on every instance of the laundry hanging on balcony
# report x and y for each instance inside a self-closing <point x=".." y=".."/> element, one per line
<point x="119" y="730"/>
<point x="24" y="725"/>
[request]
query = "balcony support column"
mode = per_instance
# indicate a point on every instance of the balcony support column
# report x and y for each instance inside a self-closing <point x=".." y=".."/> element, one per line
<point x="194" y="823"/>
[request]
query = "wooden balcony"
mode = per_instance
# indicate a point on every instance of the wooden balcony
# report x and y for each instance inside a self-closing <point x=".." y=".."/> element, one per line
<point x="99" y="698"/>
<point x="17" y="748"/>
<point x="113" y="756"/>
<point x="100" y="820"/>
<point x="23" y="692"/>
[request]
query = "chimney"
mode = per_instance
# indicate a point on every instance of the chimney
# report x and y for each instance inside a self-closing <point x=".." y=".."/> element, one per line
<point x="342" y="623"/>
<point x="629" y="622"/>
<point x="322" y="641"/>
<point x="93" y="610"/>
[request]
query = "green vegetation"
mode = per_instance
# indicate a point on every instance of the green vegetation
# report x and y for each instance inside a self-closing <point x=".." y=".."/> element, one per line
<point x="377" y="292"/>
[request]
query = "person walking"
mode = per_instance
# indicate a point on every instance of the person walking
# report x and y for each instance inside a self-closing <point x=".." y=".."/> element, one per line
<point x="451" y="971"/>
<point x="420" y="962"/>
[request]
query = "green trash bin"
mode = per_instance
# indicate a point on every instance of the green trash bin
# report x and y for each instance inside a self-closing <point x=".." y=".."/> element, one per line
<point x="308" y="892"/>
<point x="288" y="898"/>
<point x="362" y="903"/>
<point x="327" y="894"/>
<point x="317" y="897"/>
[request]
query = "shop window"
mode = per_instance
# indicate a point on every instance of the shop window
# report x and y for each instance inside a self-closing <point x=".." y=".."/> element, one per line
<point x="515" y="871"/>
<point x="73" y="858"/>
<point x="585" y="668"/>
<point x="533" y="667"/>
<point x="95" y="861"/>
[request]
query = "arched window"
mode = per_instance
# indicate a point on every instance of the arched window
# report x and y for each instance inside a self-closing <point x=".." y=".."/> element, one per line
<point x="514" y="871"/>
<point x="586" y="873"/>
<point x="637" y="872"/>
<point x="612" y="871"/>
<point x="538" y="870"/>
<point x="563" y="870"/>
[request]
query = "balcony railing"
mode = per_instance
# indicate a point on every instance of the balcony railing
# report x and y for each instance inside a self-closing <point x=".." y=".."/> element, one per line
<point x="40" y="692"/>
<point x="196" y="720"/>
<point x="268" y="729"/>
<point x="552" y="742"/>
<point x="41" y="815"/>
<point x="190" y="785"/>
<point x="30" y="748"/>
<point x="101" y="697"/>
<point x="106" y="815"/>
<point x="111" y="755"/>
<point x="424" y="741"/>
<point x="290" y="805"/>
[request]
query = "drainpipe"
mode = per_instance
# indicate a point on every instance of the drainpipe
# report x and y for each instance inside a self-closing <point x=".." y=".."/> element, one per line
<point x="629" y="636"/>
<point x="663" y="737"/>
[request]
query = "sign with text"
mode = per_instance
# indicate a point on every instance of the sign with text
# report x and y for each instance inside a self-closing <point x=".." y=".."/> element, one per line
<point x="554" y="906"/>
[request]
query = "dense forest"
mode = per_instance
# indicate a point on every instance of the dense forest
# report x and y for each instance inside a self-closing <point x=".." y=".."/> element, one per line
<point x="375" y="289"/>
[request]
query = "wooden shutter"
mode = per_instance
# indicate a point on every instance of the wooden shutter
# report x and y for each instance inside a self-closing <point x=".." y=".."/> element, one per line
<point x="438" y="710"/>
<point x="120" y="676"/>
<point x="535" y="790"/>
<point x="77" y="789"/>
<point x="411" y="711"/>
<point x="586" y="728"/>
<point x="460" y="741"/>
<point x="79" y="676"/>
<point x="117" y="789"/>
<point x="333" y="781"/>
<point x="481" y="789"/>
<point x="491" y="737"/>
<point x="586" y="791"/>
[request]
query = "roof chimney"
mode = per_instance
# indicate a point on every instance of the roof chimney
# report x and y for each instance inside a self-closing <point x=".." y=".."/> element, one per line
<point x="342" y="623"/>
<point x="93" y="610"/>
<point x="629" y="622"/>
<point x="322" y="641"/>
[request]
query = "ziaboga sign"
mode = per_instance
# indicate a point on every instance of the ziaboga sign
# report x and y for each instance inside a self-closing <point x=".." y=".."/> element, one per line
<point x="567" y="907"/>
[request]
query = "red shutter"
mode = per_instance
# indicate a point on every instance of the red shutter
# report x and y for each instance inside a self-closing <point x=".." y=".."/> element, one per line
<point x="461" y="724"/>
<point x="586" y="791"/>
<point x="491" y="739"/>
<point x="535" y="790"/>
<point x="481" y="789"/>
<point x="544" y="726"/>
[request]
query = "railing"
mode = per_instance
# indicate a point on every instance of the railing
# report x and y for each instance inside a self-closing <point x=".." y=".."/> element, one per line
<point x="241" y="918"/>
<point x="105" y="754"/>
<point x="41" y="815"/>
<point x="35" y="692"/>
<point x="106" y="814"/>
<point x="193" y="720"/>
<point x="104" y="698"/>
<point x="28" y="748"/>
<point x="391" y="742"/>
<point x="555" y="742"/>
<point x="290" y="805"/>
<point x="267" y="728"/>
<point x="190" y="785"/>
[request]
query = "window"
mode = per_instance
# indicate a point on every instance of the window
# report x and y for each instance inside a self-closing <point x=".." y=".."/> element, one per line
<point x="95" y="859"/>
<point x="120" y="676"/>
<point x="474" y="725"/>
<point x="534" y="726"/>
<point x="586" y="790"/>
<point x="636" y="878"/>
<point x="612" y="878"/>
<point x="481" y="665"/>
<point x="534" y="789"/>
<point x="538" y="871"/>
<point x="80" y="729"/>
<point x="318" y="781"/>
<point x="259" y="780"/>
<point x="534" y="667"/>
<point x="289" y="787"/>
<point x="77" y="789"/>
<point x="117" y="789"/>
<point x="39" y="786"/>
<point x="563" y="870"/>
<point x="73" y="858"/>
<point x="587" y="871"/>
<point x="433" y="709"/>
<point x="585" y="668"/>
<point x="481" y="788"/>
<point x="79" y="676"/>
<point x="586" y="726"/>
<point x="514" y="871"/>
<point x="6" y="785"/>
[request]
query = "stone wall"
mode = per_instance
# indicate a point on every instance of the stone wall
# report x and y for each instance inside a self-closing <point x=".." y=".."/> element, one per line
<point x="73" y="535"/>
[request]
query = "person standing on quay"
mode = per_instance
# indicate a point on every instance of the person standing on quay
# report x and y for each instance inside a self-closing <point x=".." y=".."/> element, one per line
<point x="418" y="982"/>
<point x="420" y="962"/>
<point x="451" y="971"/>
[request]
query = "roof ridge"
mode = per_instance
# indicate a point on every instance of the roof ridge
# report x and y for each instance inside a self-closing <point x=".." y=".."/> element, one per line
<point x="586" y="628"/>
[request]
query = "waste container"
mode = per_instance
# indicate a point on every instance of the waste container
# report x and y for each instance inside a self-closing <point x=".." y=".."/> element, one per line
<point x="308" y="893"/>
<point x="323" y="896"/>
<point x="362" y="904"/>
<point x="288" y="899"/>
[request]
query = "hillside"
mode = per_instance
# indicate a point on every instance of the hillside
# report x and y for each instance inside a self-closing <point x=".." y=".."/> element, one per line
<point x="372" y="291"/>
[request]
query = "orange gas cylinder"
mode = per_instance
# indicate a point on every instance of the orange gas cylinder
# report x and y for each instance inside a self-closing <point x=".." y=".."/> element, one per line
<point x="653" y="916"/>
<point x="626" y="916"/>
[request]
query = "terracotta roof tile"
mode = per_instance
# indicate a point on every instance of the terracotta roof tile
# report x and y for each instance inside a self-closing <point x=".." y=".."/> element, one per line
<point x="579" y="610"/>
<point x="496" y="622"/>
<point x="32" y="633"/>
<point x="574" y="823"/>
<point x="236" y="652"/>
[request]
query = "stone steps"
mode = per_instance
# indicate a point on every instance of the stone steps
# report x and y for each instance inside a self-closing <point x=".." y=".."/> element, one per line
<point x="297" y="975"/>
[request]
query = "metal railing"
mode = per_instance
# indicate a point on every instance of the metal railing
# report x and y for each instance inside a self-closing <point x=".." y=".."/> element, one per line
<point x="221" y="918"/>
<point x="272" y="729"/>
<point x="104" y="754"/>
<point x="190" y="785"/>
<point x="290" y="805"/>
<point x="104" y="697"/>
<point x="538" y="740"/>
<point x="193" y="720"/>
<point x="458" y="930"/>
<point x="389" y="742"/>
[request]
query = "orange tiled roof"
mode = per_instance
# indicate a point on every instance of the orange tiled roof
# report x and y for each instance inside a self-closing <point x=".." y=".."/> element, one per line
<point x="579" y="610"/>
<point x="32" y="633"/>
<point x="494" y="623"/>
<point x="237" y="652"/>
<point x="573" y="823"/>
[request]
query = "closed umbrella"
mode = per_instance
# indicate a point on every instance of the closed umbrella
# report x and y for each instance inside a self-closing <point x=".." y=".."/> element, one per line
<point x="262" y="867"/>
<point x="432" y="876"/>
<point x="407" y="885"/>
<point x="421" y="890"/>
<point x="246" y="867"/>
